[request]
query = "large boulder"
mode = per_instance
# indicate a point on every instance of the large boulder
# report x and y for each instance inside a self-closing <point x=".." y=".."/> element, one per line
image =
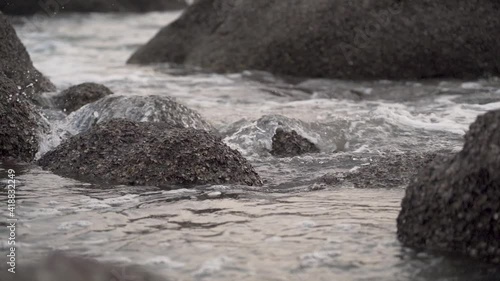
<point x="77" y="96"/>
<point x="372" y="39"/>
<point x="157" y="154"/>
<point x="19" y="123"/>
<point x="53" y="7"/>
<point x="16" y="64"/>
<point x="153" y="108"/>
<point x="454" y="203"/>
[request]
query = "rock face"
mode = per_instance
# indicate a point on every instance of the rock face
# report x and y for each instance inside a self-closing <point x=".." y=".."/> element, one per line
<point x="18" y="126"/>
<point x="289" y="144"/>
<point x="157" y="154"/>
<point x="52" y="7"/>
<point x="453" y="205"/>
<point x="15" y="61"/>
<point x="77" y="96"/>
<point x="139" y="109"/>
<point x="373" y="39"/>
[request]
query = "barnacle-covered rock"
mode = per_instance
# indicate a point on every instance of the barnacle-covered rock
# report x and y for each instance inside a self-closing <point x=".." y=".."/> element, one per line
<point x="370" y="39"/>
<point x="157" y="154"/>
<point x="153" y="108"/>
<point x="77" y="96"/>
<point x="20" y="124"/>
<point x="289" y="144"/>
<point x="16" y="64"/>
<point x="454" y="204"/>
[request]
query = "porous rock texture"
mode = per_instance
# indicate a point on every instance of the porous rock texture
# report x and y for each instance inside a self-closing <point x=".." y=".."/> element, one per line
<point x="454" y="204"/>
<point x="51" y="8"/>
<point x="156" y="154"/>
<point x="372" y="39"/>
<point x="290" y="144"/>
<point x="16" y="64"/>
<point x="77" y="96"/>
<point x="19" y="123"/>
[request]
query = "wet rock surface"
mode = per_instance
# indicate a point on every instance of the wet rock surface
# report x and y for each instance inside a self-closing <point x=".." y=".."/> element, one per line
<point x="453" y="205"/>
<point x="388" y="39"/>
<point x="53" y="7"/>
<point x="77" y="96"/>
<point x="385" y="172"/>
<point x="289" y="144"/>
<point x="15" y="61"/>
<point x="59" y="266"/>
<point x="139" y="109"/>
<point x="19" y="123"/>
<point x="157" y="154"/>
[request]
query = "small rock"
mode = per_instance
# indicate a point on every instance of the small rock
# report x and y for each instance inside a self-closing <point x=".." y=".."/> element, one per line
<point x="77" y="96"/>
<point x="289" y="144"/>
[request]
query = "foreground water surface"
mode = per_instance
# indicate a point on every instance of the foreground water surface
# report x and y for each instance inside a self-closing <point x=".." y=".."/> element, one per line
<point x="293" y="228"/>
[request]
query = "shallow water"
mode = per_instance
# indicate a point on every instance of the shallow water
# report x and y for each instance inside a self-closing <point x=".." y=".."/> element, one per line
<point x="293" y="228"/>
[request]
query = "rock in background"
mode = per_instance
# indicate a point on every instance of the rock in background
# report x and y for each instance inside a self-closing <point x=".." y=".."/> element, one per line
<point x="373" y="39"/>
<point x="77" y="96"/>
<point x="454" y="204"/>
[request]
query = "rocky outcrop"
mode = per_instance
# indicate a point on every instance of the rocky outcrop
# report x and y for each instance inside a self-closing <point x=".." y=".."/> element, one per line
<point x="77" y="96"/>
<point x="16" y="64"/>
<point x="157" y="154"/>
<point x="139" y="109"/>
<point x="290" y="144"/>
<point x="390" y="39"/>
<point x="453" y="204"/>
<point x="19" y="123"/>
<point x="53" y="7"/>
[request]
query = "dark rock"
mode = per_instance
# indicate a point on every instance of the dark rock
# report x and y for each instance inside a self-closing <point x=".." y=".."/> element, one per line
<point x="77" y="96"/>
<point x="384" y="172"/>
<point x="454" y="204"/>
<point x="391" y="39"/>
<point x="138" y="109"/>
<point x="157" y="154"/>
<point x="16" y="64"/>
<point x="290" y="144"/>
<point x="19" y="123"/>
<point x="59" y="266"/>
<point x="53" y="7"/>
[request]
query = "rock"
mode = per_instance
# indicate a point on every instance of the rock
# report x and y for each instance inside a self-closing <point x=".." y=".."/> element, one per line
<point x="290" y="144"/>
<point x="453" y="204"/>
<point x="19" y="125"/>
<point x="58" y="266"/>
<point x="384" y="172"/>
<point x="383" y="39"/>
<point x="54" y="7"/>
<point x="16" y="64"/>
<point x="156" y="154"/>
<point x="77" y="96"/>
<point x="139" y="109"/>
